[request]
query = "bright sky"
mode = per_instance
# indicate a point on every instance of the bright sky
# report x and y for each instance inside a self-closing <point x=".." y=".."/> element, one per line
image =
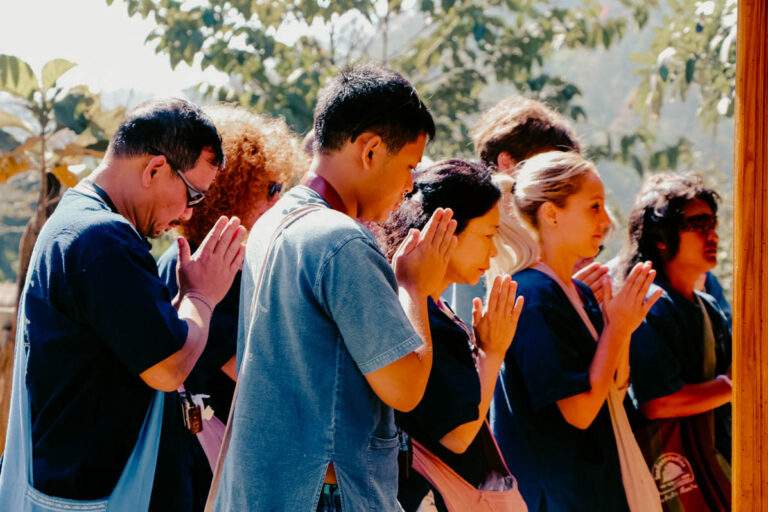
<point x="106" y="44"/>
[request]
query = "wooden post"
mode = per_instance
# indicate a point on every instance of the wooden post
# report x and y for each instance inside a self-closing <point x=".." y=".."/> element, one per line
<point x="750" y="297"/>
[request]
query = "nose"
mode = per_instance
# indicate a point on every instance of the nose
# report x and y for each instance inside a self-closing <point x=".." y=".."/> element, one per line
<point x="494" y="251"/>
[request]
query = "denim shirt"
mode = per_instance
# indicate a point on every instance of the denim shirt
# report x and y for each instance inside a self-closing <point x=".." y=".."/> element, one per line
<point x="327" y="314"/>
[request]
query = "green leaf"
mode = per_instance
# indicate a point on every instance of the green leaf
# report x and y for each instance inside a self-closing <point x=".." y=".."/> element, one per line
<point x="690" y="67"/>
<point x="53" y="69"/>
<point x="16" y="77"/>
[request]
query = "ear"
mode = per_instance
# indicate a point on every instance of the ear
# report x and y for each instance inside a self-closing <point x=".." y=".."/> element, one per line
<point x="151" y="170"/>
<point x="505" y="162"/>
<point x="661" y="246"/>
<point x="548" y="214"/>
<point x="371" y="146"/>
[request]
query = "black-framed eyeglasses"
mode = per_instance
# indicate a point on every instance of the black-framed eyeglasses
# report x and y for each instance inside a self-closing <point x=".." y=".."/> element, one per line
<point x="194" y="196"/>
<point x="703" y="223"/>
<point x="274" y="189"/>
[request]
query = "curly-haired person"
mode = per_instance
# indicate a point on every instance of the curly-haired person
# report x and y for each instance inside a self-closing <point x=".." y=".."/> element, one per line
<point x="262" y="157"/>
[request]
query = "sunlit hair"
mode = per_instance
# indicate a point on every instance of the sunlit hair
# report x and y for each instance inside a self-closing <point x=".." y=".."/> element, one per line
<point x="656" y="218"/>
<point x="259" y="151"/>
<point x="521" y="127"/>
<point x="547" y="177"/>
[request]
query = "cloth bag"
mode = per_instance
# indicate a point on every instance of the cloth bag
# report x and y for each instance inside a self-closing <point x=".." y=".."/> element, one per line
<point x="17" y="492"/>
<point x="639" y="486"/>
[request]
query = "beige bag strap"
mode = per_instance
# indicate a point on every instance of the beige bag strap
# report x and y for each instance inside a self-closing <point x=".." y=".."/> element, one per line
<point x="289" y="219"/>
<point x="639" y="485"/>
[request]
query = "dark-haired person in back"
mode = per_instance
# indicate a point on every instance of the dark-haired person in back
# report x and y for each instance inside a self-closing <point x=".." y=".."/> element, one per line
<point x="99" y="338"/>
<point x="681" y="355"/>
<point x="454" y="452"/>
<point x="332" y="337"/>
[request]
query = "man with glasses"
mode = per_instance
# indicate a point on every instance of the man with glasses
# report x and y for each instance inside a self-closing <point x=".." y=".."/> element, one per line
<point x="100" y="330"/>
<point x="681" y="356"/>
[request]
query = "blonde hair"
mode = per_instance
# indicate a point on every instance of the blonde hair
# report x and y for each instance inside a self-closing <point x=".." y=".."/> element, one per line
<point x="547" y="177"/>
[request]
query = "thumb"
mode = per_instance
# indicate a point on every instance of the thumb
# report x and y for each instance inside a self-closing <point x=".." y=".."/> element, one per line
<point x="184" y="252"/>
<point x="410" y="241"/>
<point x="607" y="290"/>
<point x="477" y="311"/>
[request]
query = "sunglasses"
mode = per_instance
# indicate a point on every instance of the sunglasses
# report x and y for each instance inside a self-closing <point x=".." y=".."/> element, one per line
<point x="194" y="196"/>
<point x="704" y="223"/>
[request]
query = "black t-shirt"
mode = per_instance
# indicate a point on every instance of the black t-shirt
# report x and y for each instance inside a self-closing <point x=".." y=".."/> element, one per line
<point x="96" y="316"/>
<point x="667" y="352"/>
<point x="183" y="474"/>
<point x="451" y="398"/>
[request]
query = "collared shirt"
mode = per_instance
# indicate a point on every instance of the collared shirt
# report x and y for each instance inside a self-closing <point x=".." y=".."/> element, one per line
<point x="327" y="314"/>
<point x="96" y="316"/>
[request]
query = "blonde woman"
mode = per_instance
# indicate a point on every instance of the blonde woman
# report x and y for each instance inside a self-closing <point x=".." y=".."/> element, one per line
<point x="557" y="408"/>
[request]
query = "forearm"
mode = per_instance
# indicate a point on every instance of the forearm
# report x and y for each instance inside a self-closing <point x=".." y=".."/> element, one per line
<point x="459" y="439"/>
<point x="580" y="410"/>
<point x="171" y="372"/>
<point x="689" y="400"/>
<point x="419" y="366"/>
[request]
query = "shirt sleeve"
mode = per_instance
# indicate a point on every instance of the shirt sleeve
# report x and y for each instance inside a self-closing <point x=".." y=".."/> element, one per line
<point x="357" y="288"/>
<point x="550" y="366"/>
<point x="129" y="308"/>
<point x="452" y="396"/>
<point x="655" y="372"/>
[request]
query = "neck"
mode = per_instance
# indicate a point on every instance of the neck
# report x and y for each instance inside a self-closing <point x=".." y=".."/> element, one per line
<point x="559" y="261"/>
<point x="112" y="178"/>
<point x="682" y="280"/>
<point x="437" y="294"/>
<point x="333" y="168"/>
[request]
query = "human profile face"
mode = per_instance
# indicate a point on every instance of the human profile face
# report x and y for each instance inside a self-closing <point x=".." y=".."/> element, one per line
<point x="474" y="249"/>
<point x="583" y="223"/>
<point x="169" y="206"/>
<point x="393" y="179"/>
<point x="697" y="250"/>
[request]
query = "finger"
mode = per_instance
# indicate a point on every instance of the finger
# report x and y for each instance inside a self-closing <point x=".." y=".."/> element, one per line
<point x="590" y="273"/>
<point x="226" y="236"/>
<point x="448" y="235"/>
<point x="451" y="248"/>
<point x="477" y="310"/>
<point x="212" y="238"/>
<point x="184" y="252"/>
<point x="409" y="244"/>
<point x="642" y="278"/>
<point x="517" y="310"/>
<point x="493" y="298"/>
<point x="237" y="261"/>
<point x="651" y="301"/>
<point x="428" y="233"/>
<point x="235" y="244"/>
<point x="511" y="298"/>
<point x="631" y="284"/>
<point x="643" y="291"/>
<point x="607" y="290"/>
<point x="504" y="298"/>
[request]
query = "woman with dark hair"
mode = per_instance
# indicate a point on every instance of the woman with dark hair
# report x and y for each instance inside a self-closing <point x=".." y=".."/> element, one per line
<point x="681" y="354"/>
<point x="454" y="452"/>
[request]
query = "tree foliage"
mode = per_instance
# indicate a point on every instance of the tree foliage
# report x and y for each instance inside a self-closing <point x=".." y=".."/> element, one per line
<point x="451" y="49"/>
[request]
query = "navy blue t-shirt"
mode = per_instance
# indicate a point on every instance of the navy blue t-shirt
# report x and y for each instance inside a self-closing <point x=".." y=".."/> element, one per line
<point x="558" y="466"/>
<point x="97" y="316"/>
<point x="667" y="352"/>
<point x="183" y="474"/>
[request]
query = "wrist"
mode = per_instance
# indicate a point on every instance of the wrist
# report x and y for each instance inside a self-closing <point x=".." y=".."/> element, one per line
<point x="201" y="299"/>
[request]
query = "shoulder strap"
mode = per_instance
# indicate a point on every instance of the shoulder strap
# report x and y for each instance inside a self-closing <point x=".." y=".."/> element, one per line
<point x="289" y="219"/>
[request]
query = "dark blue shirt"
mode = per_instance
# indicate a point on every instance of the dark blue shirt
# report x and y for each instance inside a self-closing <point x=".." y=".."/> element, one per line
<point x="558" y="466"/>
<point x="183" y="473"/>
<point x="713" y="287"/>
<point x="97" y="316"/>
<point x="667" y="352"/>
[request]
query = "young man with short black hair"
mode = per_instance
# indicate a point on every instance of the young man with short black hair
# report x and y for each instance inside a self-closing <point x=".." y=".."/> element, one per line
<point x="335" y="338"/>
